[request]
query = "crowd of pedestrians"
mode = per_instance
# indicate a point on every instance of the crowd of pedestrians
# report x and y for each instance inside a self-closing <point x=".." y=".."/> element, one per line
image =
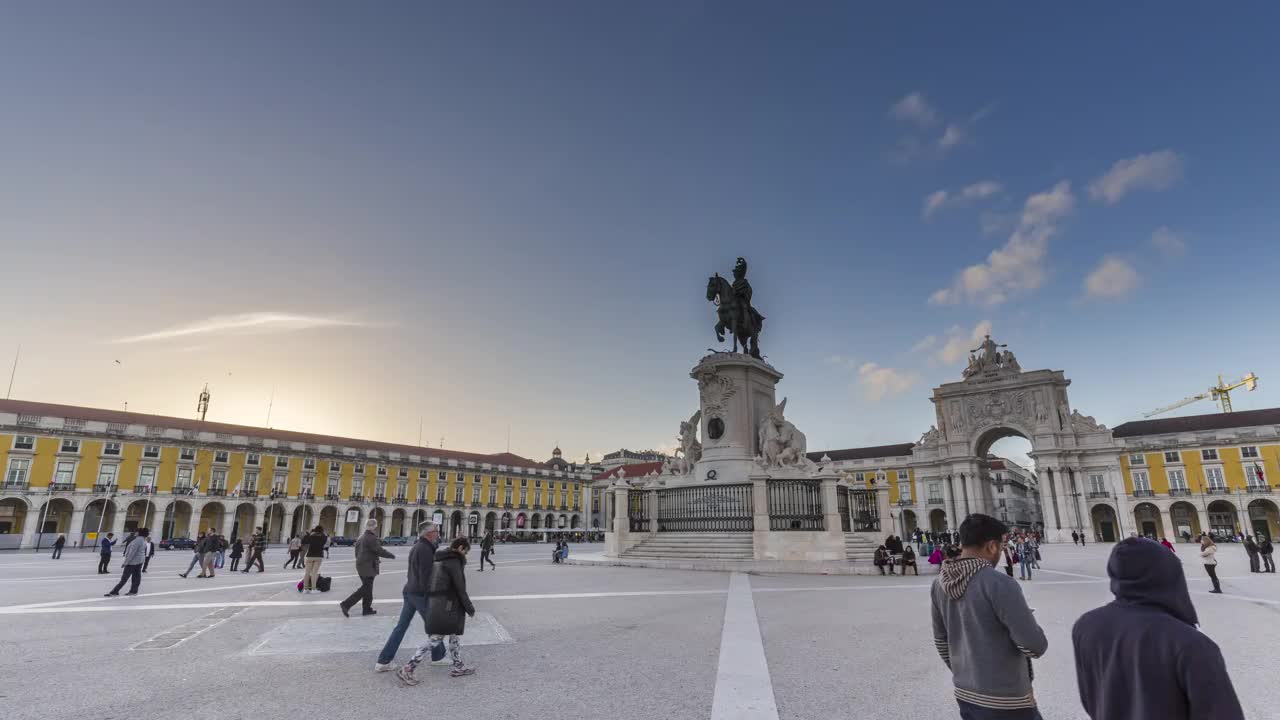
<point x="988" y="636"/>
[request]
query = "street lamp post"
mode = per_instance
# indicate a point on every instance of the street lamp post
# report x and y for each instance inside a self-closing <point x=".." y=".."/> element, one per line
<point x="44" y="513"/>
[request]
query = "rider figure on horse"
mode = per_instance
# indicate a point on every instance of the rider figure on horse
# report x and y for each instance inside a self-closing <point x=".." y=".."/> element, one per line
<point x="742" y="293"/>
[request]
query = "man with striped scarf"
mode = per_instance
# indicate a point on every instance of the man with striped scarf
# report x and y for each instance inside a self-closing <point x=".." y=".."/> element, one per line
<point x="984" y="630"/>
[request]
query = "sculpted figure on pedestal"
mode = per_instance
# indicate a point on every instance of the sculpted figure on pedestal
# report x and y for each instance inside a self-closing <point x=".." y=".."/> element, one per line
<point x="734" y="311"/>
<point x="690" y="450"/>
<point x="930" y="438"/>
<point x="1085" y="423"/>
<point x="781" y="444"/>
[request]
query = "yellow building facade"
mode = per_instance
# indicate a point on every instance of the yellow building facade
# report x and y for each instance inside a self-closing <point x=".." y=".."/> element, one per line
<point x="80" y="472"/>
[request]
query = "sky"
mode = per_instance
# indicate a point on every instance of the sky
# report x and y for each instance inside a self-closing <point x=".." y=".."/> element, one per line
<point x="497" y="220"/>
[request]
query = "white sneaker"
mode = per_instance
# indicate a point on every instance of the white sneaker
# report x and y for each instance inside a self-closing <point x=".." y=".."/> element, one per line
<point x="307" y="592"/>
<point x="382" y="667"/>
<point x="442" y="662"/>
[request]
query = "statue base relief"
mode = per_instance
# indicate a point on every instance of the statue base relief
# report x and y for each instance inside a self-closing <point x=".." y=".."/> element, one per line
<point x="736" y="393"/>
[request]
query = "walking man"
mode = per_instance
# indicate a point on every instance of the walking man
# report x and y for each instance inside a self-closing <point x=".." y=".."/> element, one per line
<point x="313" y="546"/>
<point x="209" y="554"/>
<point x="256" y="546"/>
<point x="369" y="554"/>
<point x="104" y="552"/>
<point x="1075" y="538"/>
<point x="196" y="552"/>
<point x="1251" y="548"/>
<point x="1265" y="549"/>
<point x="421" y="561"/>
<point x="486" y="550"/>
<point x="57" y="546"/>
<point x="984" y="630"/>
<point x="134" y="555"/>
<point x="295" y="550"/>
<point x="220" y="555"/>
<point x="1117" y="646"/>
<point x="151" y="551"/>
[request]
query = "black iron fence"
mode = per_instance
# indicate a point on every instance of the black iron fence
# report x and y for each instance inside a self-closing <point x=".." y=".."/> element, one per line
<point x="638" y="510"/>
<point x="865" y="510"/>
<point x="795" y="505"/>
<point x="712" y="508"/>
<point x="842" y="504"/>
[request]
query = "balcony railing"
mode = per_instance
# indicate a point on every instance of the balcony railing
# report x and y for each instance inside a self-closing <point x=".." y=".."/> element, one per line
<point x="507" y="505"/>
<point x="306" y="495"/>
<point x="18" y="485"/>
<point x="356" y="498"/>
<point x="331" y="496"/>
<point x="1143" y="493"/>
<point x="1258" y="489"/>
<point x="104" y="488"/>
<point x="1098" y="494"/>
<point x="1217" y="491"/>
<point x="279" y="494"/>
<point x="422" y="501"/>
<point x="936" y="501"/>
<point x="250" y="493"/>
<point x="906" y="502"/>
<point x="145" y="489"/>
<point x="1176" y="492"/>
<point x="399" y="500"/>
<point x="379" y="498"/>
<point x="184" y="490"/>
<point x="62" y="487"/>
<point x="217" y="492"/>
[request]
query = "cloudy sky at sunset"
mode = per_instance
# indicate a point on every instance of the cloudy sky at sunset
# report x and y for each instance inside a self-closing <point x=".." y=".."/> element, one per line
<point x="487" y="216"/>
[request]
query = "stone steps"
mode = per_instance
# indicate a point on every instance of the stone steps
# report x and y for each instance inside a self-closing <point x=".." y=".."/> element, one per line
<point x="859" y="549"/>
<point x="675" y="546"/>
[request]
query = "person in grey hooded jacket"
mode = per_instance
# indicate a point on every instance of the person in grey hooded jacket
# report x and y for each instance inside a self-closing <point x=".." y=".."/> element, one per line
<point x="984" y="630"/>
<point x="369" y="554"/>
<point x="135" y="553"/>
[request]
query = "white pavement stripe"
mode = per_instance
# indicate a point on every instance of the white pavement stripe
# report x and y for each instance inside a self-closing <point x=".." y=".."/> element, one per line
<point x="1071" y="574"/>
<point x="744" y="690"/>
<point x="921" y="586"/>
<point x="127" y="604"/>
<point x="173" y="637"/>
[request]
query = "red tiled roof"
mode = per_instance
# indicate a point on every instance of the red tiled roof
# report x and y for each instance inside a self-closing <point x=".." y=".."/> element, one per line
<point x="633" y="471"/>
<point x="25" y="407"/>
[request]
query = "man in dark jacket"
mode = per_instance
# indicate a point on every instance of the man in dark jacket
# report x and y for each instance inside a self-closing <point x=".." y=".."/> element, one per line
<point x="486" y="549"/>
<point x="1265" y="549"/>
<point x="104" y="552"/>
<point x="57" y="546"/>
<point x="421" y="560"/>
<point x="1141" y="656"/>
<point x="369" y="554"/>
<point x="256" y="546"/>
<point x="446" y="616"/>
<point x="984" y="630"/>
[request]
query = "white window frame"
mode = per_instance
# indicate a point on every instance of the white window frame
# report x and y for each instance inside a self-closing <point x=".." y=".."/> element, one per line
<point x="402" y="488"/>
<point x="357" y="485"/>
<point x="332" y="487"/>
<point x="359" y="468"/>
<point x="402" y="473"/>
<point x="1244" y="455"/>
<point x="151" y="452"/>
<point x="183" y="478"/>
<point x="1251" y="475"/>
<point x="1098" y="482"/>
<point x="904" y="488"/>
<point x="1138" y="460"/>
<point x="1141" y="480"/>
<point x="28" y="445"/>
<point x="308" y="482"/>
<point x="1177" y="457"/>
<point x="18" y="476"/>
<point x="218" y="480"/>
<point x="253" y="459"/>
<point x="108" y="473"/>
<point x="279" y="481"/>
<point x="58" y="470"/>
<point x="424" y="475"/>
<point x="382" y="471"/>
<point x="1177" y="479"/>
<point x="932" y="486"/>
<point x="144" y="476"/>
<point x="282" y="461"/>
<point x="1211" y="473"/>
<point x="380" y="488"/>
<point x="250" y="480"/>
<point x="221" y="456"/>
<point x="187" y="454"/>
<point x="309" y="463"/>
<point x="112" y="448"/>
<point x="458" y="489"/>
<point x="73" y="443"/>
<point x="1205" y="455"/>
<point x="440" y="492"/>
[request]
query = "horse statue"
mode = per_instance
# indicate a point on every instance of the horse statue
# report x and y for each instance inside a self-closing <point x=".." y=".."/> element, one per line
<point x="781" y="444"/>
<point x="735" y="314"/>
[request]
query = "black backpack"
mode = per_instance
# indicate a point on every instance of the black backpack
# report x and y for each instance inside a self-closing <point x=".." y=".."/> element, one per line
<point x="324" y="583"/>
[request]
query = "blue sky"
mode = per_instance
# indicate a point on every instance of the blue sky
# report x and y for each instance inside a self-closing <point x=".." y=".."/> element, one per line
<point x="499" y="214"/>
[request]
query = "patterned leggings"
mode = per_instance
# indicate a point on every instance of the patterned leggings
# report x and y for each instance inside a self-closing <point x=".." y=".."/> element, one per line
<point x="432" y="641"/>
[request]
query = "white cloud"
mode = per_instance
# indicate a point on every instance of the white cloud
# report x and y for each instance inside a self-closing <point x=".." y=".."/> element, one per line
<point x="952" y="136"/>
<point x="1170" y="244"/>
<point x="1019" y="265"/>
<point x="256" y="322"/>
<point x="1113" y="279"/>
<point x="958" y="343"/>
<point x="879" y="382"/>
<point x="915" y="109"/>
<point x="940" y="199"/>
<point x="1153" y="171"/>
<point x="842" y="361"/>
<point x="925" y="345"/>
<point x="934" y="202"/>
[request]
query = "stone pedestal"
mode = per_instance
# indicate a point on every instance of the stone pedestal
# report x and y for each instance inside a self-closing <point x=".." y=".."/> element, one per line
<point x="736" y="392"/>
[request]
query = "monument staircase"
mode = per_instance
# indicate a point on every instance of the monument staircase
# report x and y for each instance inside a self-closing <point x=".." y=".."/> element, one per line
<point x="859" y="548"/>
<point x="685" y="546"/>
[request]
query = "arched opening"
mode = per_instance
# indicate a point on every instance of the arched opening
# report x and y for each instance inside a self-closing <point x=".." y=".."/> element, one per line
<point x="455" y="524"/>
<point x="140" y="514"/>
<point x="397" y="522"/>
<point x="490" y="519"/>
<point x="1186" y="521"/>
<point x="13" y="520"/>
<point x="535" y="523"/>
<point x="1264" y="518"/>
<point x="909" y="523"/>
<point x="96" y="521"/>
<point x="211" y="516"/>
<point x="351" y="522"/>
<point x="1146" y="518"/>
<point x="243" y="524"/>
<point x="1222" y="519"/>
<point x="419" y="516"/>
<point x="274" y="520"/>
<point x="1104" y="521"/>
<point x="937" y="520"/>
<point x="1008" y="478"/>
<point x="520" y="521"/>
<point x="506" y="521"/>
<point x="303" y="517"/>
<point x="575" y="522"/>
<point x="562" y="522"/>
<point x="55" y="518"/>
<point x="380" y="516"/>
<point x="177" y="520"/>
<point x="328" y="519"/>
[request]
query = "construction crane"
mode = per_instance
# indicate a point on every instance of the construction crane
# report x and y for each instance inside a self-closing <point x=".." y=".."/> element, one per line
<point x="1221" y="394"/>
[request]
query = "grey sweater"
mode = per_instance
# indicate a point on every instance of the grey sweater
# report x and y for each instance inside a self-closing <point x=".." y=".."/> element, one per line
<point x="986" y="634"/>
<point x="136" y="551"/>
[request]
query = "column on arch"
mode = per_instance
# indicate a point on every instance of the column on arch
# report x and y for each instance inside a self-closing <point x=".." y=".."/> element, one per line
<point x="953" y="520"/>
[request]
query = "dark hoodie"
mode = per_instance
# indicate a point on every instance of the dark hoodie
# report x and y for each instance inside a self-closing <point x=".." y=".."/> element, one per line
<point x="1141" y="656"/>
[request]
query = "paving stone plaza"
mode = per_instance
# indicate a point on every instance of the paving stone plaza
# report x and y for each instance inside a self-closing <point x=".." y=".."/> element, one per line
<point x="550" y="640"/>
